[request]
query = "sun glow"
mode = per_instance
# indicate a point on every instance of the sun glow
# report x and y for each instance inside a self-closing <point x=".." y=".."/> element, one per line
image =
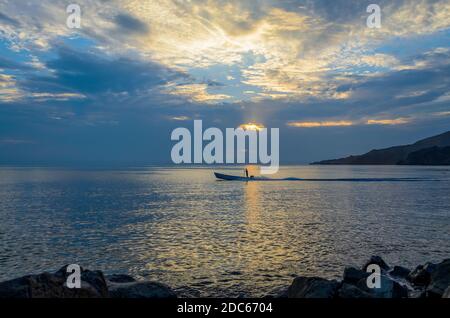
<point x="252" y="126"/>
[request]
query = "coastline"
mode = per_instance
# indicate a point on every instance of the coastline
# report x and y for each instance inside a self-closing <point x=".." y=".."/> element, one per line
<point x="429" y="280"/>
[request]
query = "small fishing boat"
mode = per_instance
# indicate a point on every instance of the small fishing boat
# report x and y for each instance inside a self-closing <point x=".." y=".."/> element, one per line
<point x="228" y="177"/>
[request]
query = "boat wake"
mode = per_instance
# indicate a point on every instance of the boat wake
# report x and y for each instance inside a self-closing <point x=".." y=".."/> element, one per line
<point x="354" y="179"/>
<point x="223" y="177"/>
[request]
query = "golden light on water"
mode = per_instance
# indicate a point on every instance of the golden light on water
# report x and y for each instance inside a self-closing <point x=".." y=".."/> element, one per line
<point x="252" y="126"/>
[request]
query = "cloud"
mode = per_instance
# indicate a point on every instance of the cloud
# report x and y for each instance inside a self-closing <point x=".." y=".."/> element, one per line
<point x="195" y="92"/>
<point x="137" y="68"/>
<point x="7" y="19"/>
<point x="396" y="121"/>
<point x="75" y="73"/>
<point x="418" y="17"/>
<point x="299" y="49"/>
<point x="129" y="23"/>
<point x="346" y="123"/>
<point x="9" y="92"/>
<point x="76" y="76"/>
<point x="314" y="124"/>
<point x="443" y="114"/>
<point x="6" y="63"/>
<point x="180" y="118"/>
<point x="379" y="60"/>
<point x="58" y="97"/>
<point x="91" y="73"/>
<point x="402" y="92"/>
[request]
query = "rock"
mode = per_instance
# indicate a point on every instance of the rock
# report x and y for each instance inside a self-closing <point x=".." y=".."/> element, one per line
<point x="400" y="272"/>
<point x="378" y="261"/>
<point x="388" y="288"/>
<point x="446" y="293"/>
<point x="351" y="291"/>
<point x="312" y="287"/>
<point x="38" y="286"/>
<point x="353" y="275"/>
<point x="46" y="285"/>
<point x="440" y="280"/>
<point x="93" y="285"/>
<point x="120" y="278"/>
<point x="400" y="291"/>
<point x="141" y="290"/>
<point x="421" y="276"/>
<point x="280" y="292"/>
<point x="89" y="279"/>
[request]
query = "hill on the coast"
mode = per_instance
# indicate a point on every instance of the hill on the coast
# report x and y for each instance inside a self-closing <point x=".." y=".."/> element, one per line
<point x="430" y="151"/>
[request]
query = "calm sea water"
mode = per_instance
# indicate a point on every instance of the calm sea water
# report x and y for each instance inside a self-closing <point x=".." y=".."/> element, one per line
<point x="184" y="228"/>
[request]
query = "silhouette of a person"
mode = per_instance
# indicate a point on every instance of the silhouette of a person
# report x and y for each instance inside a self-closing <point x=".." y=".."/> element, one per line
<point x="246" y="172"/>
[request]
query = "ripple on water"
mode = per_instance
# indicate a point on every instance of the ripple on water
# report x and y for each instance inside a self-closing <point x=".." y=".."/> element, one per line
<point x="183" y="228"/>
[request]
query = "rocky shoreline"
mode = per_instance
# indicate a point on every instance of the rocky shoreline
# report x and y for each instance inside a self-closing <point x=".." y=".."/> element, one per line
<point x="425" y="281"/>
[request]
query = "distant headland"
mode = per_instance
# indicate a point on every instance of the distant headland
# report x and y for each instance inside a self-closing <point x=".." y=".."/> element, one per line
<point x="430" y="151"/>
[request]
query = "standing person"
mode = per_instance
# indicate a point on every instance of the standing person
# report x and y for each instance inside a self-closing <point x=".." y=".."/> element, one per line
<point x="246" y="172"/>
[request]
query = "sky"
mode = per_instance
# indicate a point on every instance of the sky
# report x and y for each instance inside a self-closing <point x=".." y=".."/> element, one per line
<point x="112" y="91"/>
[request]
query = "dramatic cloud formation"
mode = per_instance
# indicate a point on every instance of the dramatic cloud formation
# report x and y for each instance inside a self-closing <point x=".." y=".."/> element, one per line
<point x="137" y="68"/>
<point x="312" y="124"/>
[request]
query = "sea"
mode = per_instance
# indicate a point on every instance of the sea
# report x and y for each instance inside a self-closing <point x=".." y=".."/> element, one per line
<point x="183" y="227"/>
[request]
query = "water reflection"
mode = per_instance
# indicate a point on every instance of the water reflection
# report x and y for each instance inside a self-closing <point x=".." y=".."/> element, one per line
<point x="182" y="227"/>
<point x="252" y="207"/>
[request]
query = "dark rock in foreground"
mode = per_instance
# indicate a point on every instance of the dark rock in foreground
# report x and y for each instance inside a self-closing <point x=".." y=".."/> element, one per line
<point x="312" y="287"/>
<point x="428" y="281"/>
<point x="46" y="285"/>
<point x="141" y="290"/>
<point x="389" y="288"/>
<point x="446" y="293"/>
<point x="421" y="276"/>
<point x="351" y="291"/>
<point x="93" y="285"/>
<point x="400" y="272"/>
<point x="120" y="278"/>
<point x="440" y="280"/>
<point x="353" y="275"/>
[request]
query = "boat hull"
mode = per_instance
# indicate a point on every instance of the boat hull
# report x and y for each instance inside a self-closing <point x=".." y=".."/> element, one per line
<point x="222" y="176"/>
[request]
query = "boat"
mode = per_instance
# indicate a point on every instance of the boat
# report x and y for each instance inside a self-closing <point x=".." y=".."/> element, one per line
<point x="222" y="176"/>
<point x="228" y="177"/>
